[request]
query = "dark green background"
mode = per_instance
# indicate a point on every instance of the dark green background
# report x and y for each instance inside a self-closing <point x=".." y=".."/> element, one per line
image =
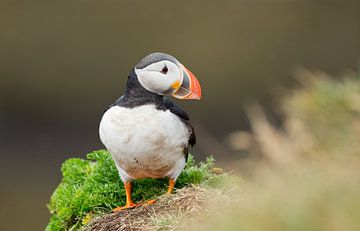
<point x="62" y="62"/>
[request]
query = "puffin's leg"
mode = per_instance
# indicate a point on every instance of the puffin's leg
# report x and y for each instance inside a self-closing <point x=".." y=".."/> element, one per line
<point x="129" y="202"/>
<point x="171" y="186"/>
<point x="169" y="191"/>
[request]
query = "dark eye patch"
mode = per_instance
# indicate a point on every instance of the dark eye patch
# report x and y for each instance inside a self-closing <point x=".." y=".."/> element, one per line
<point x="164" y="70"/>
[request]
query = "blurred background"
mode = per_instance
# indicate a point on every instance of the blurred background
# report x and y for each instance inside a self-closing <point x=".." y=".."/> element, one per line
<point x="63" y="62"/>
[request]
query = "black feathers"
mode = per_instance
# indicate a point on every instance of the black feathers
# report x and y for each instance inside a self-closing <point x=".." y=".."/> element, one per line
<point x="136" y="95"/>
<point x="176" y="109"/>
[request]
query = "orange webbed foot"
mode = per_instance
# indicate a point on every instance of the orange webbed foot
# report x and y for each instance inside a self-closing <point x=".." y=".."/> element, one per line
<point x="129" y="202"/>
<point x="128" y="206"/>
<point x="133" y="205"/>
<point x="149" y="202"/>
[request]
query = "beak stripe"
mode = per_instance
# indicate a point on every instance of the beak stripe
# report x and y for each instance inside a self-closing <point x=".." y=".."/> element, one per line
<point x="190" y="87"/>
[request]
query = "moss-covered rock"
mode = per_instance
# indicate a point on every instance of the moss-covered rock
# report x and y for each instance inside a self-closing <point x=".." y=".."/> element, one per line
<point x="93" y="186"/>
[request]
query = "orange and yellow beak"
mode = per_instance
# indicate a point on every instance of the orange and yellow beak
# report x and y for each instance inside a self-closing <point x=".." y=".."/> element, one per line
<point x="189" y="88"/>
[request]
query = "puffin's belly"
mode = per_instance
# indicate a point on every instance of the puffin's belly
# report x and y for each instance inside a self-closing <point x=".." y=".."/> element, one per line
<point x="144" y="141"/>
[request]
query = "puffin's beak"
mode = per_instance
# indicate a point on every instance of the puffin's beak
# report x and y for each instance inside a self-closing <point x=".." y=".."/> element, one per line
<point x="190" y="87"/>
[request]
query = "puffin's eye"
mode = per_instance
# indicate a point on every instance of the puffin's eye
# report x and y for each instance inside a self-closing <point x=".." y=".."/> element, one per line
<point x="164" y="70"/>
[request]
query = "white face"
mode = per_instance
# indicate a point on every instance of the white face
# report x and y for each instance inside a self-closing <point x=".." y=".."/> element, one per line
<point x="162" y="77"/>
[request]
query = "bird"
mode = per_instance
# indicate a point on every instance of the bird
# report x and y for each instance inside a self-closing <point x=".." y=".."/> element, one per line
<point x="148" y="135"/>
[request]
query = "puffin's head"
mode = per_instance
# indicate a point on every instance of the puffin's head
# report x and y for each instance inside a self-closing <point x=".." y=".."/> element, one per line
<point x="163" y="74"/>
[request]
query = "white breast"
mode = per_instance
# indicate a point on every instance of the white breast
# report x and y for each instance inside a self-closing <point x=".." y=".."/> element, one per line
<point x="144" y="141"/>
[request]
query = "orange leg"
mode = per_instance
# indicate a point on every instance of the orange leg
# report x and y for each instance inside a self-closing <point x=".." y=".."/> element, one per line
<point x="169" y="191"/>
<point x="129" y="202"/>
<point x="171" y="186"/>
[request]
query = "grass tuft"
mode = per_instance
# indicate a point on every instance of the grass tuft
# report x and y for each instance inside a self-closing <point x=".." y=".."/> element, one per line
<point x="93" y="187"/>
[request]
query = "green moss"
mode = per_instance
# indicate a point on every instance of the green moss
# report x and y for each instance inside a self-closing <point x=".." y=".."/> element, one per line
<point x="93" y="186"/>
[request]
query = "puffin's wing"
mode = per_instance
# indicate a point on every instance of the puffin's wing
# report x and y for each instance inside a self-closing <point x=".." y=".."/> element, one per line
<point x="177" y="110"/>
<point x="117" y="102"/>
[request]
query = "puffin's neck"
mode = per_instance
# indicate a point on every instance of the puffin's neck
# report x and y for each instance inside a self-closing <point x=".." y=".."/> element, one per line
<point x="137" y="95"/>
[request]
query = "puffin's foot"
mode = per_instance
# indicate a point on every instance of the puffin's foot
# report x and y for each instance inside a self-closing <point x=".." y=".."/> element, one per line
<point x="129" y="202"/>
<point x="149" y="202"/>
<point x="133" y="205"/>
<point x="127" y="206"/>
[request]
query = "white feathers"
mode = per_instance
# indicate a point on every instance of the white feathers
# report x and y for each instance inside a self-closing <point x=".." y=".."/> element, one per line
<point x="144" y="141"/>
<point x="153" y="79"/>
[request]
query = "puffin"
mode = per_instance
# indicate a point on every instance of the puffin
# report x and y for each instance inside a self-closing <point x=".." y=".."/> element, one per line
<point x="148" y="135"/>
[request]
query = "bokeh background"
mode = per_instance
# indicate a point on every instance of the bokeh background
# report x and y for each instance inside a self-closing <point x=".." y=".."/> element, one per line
<point x="63" y="62"/>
